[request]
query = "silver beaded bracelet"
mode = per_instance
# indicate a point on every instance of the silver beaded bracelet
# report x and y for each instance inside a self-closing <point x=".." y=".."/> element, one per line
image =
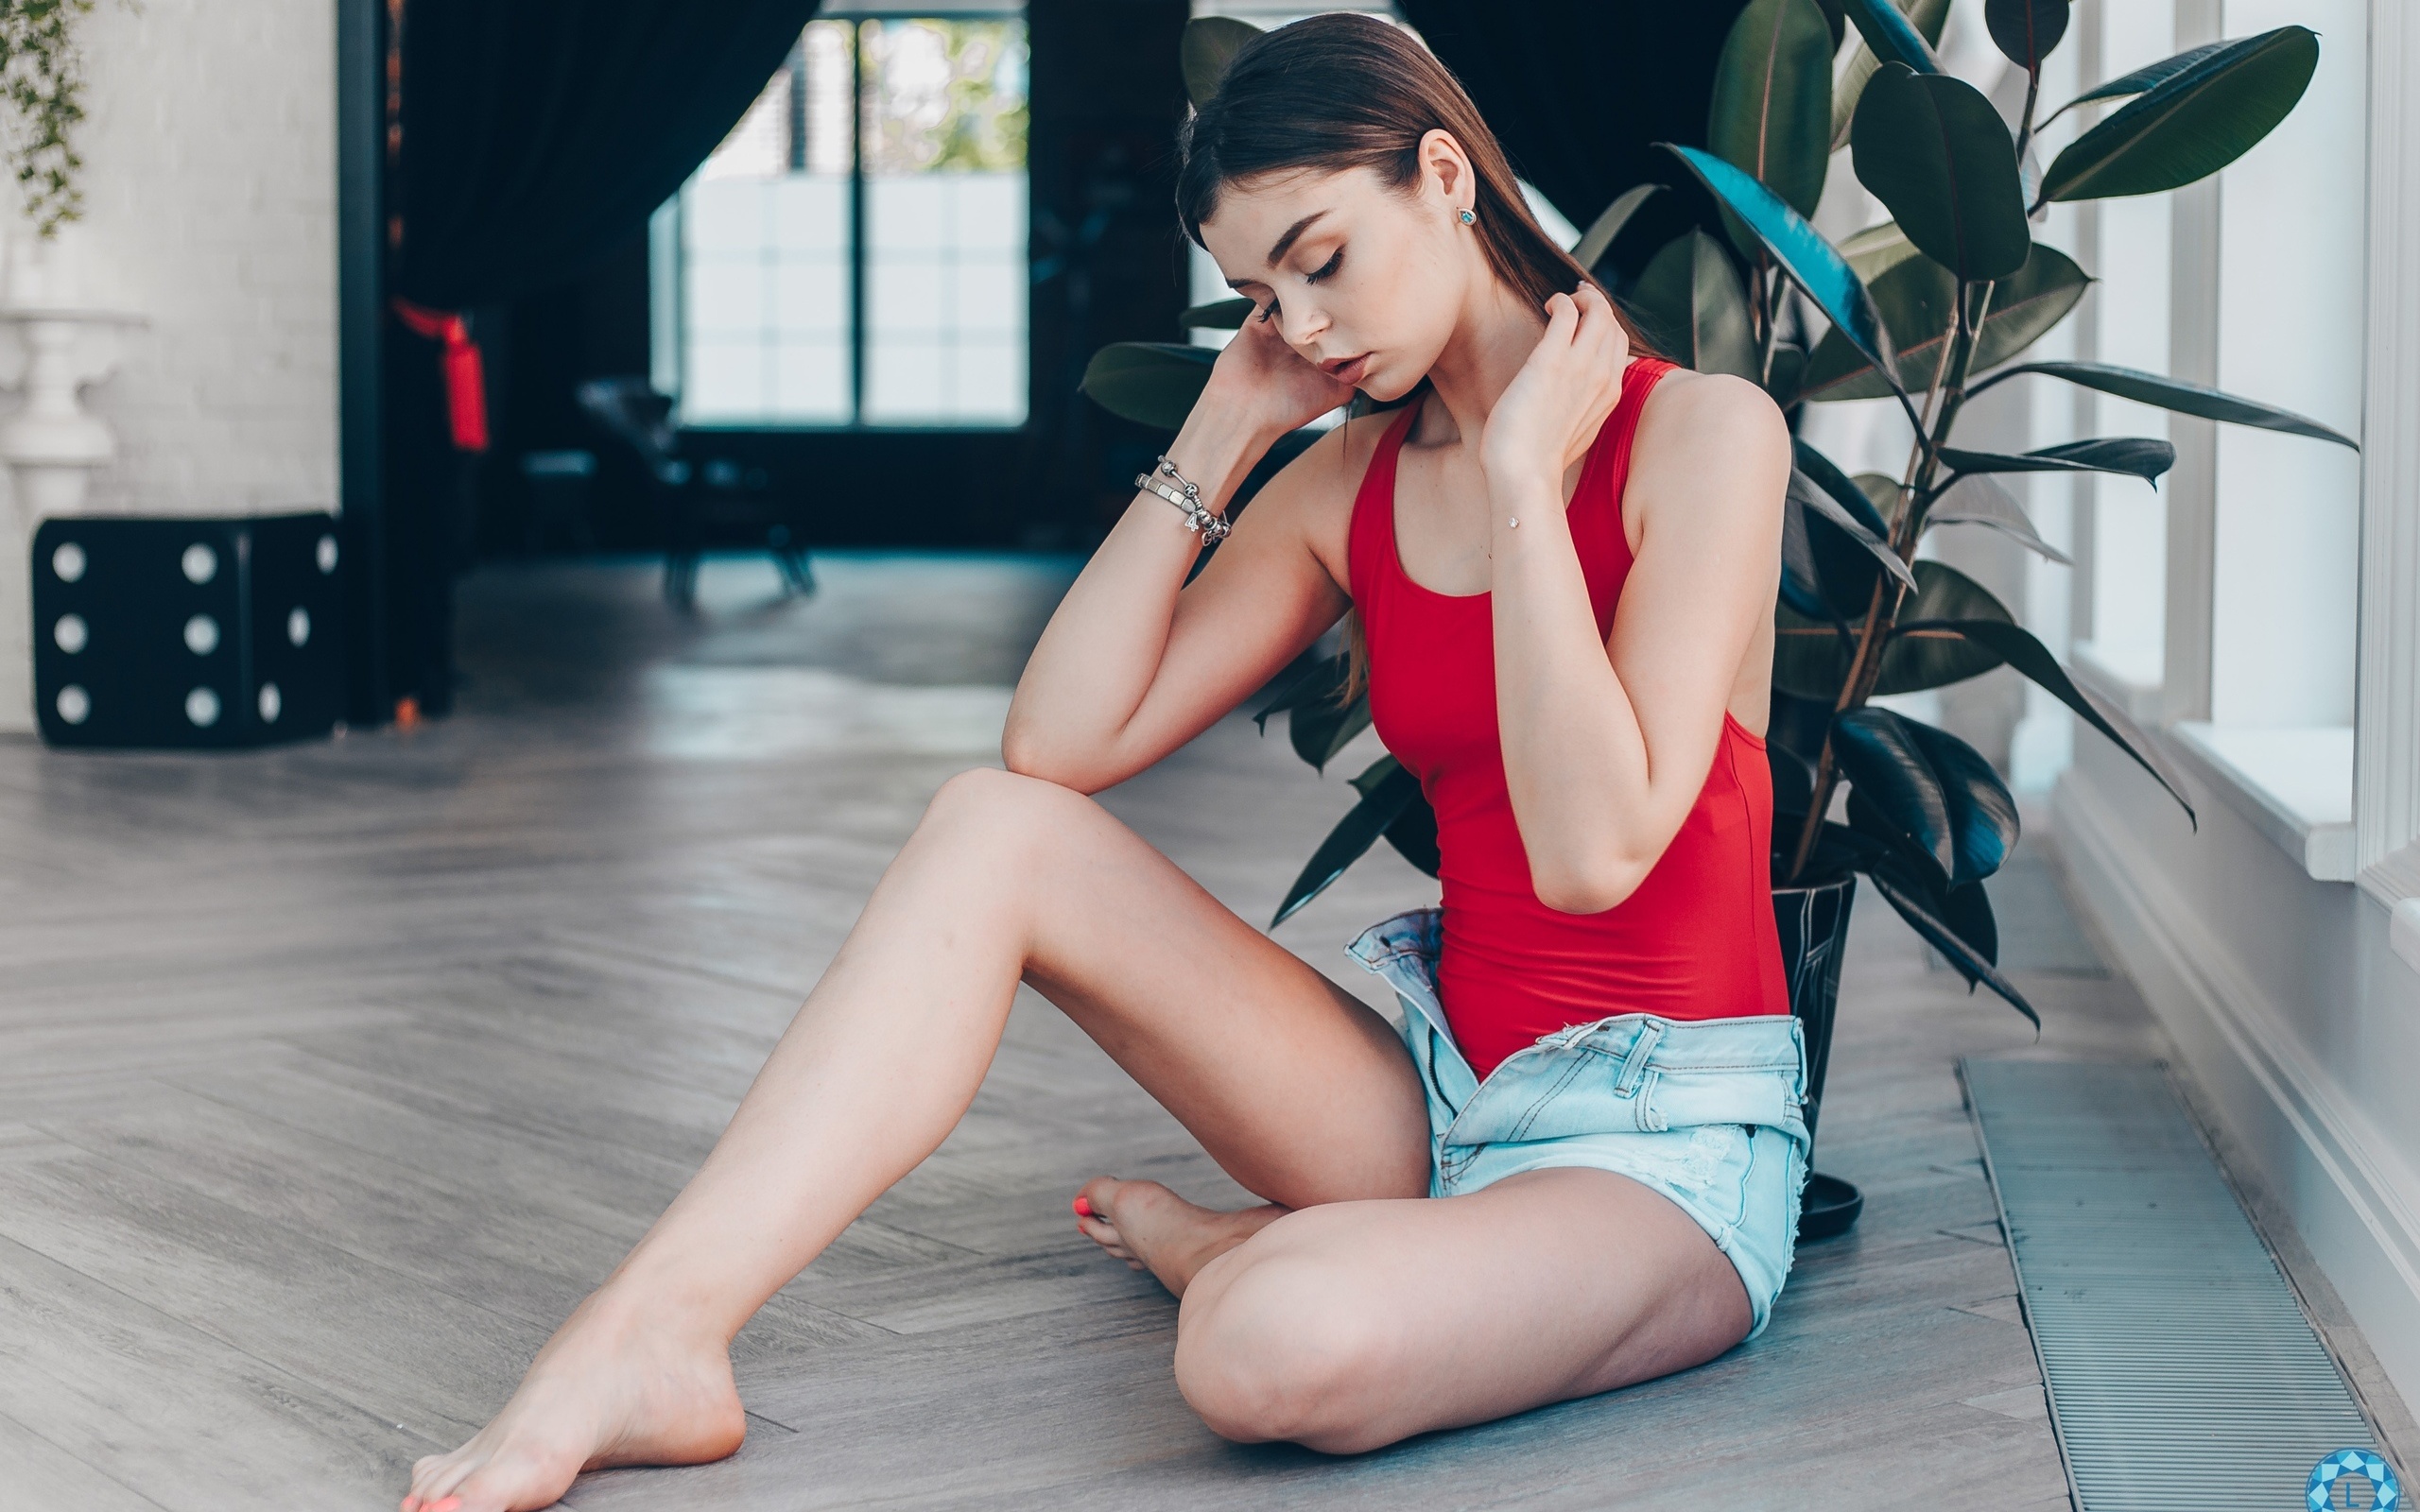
<point x="1197" y="518"/>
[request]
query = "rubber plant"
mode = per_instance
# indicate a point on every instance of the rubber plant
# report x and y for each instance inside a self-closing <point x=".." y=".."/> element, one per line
<point x="1929" y="309"/>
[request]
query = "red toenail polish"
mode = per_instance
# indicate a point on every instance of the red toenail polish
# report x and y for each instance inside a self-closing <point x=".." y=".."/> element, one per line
<point x="1084" y="1208"/>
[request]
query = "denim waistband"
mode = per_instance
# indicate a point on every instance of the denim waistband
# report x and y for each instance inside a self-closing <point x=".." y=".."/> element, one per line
<point x="1402" y="952"/>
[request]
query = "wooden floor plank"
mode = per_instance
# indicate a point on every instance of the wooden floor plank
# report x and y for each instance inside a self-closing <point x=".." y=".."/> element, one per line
<point x="39" y="1475"/>
<point x="331" y="1074"/>
<point x="174" y="1414"/>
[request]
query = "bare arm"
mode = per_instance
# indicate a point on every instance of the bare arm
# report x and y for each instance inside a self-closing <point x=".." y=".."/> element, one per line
<point x="1135" y="662"/>
<point x="1607" y="744"/>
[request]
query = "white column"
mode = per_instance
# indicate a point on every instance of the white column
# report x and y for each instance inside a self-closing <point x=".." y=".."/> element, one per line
<point x="51" y="348"/>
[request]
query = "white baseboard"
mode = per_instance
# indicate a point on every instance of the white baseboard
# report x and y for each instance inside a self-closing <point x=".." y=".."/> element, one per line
<point x="2354" y="1199"/>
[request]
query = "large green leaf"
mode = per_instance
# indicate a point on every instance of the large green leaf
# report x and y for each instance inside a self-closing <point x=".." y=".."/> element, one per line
<point x="1891" y="36"/>
<point x="1843" y="489"/>
<point x="1382" y="803"/>
<point x="1811" y="655"/>
<point x="1940" y="799"/>
<point x="1811" y="660"/>
<point x="1608" y="225"/>
<point x="1916" y="297"/>
<point x="1936" y="153"/>
<point x="1927" y="16"/>
<point x="1209" y="44"/>
<point x="1219" y="315"/>
<point x="1801" y="575"/>
<point x="2025" y="30"/>
<point x="1876" y="249"/>
<point x="1924" y="915"/>
<point x="1413" y="833"/>
<point x="2137" y="81"/>
<point x="1917" y="659"/>
<point x="1968" y="910"/>
<point x="1829" y="559"/>
<point x="1308" y="679"/>
<point x="1883" y="492"/>
<point x="1827" y="507"/>
<point x="1772" y="109"/>
<point x="1977" y="500"/>
<point x="1690" y="300"/>
<point x="2191" y="124"/>
<point x="2175" y="394"/>
<point x="1150" y="383"/>
<point x="2013" y="644"/>
<point x="1889" y="778"/>
<point x="1811" y="261"/>
<point x="1319" y="730"/>
<point x="2140" y="457"/>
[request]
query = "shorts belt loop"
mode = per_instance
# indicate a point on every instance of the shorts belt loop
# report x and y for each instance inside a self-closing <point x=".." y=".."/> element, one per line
<point x="1634" y="1063"/>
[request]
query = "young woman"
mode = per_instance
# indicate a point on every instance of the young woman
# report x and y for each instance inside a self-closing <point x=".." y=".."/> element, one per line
<point x="1579" y="1164"/>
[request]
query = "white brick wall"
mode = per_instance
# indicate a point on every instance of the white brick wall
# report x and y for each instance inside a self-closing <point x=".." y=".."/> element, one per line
<point x="209" y="211"/>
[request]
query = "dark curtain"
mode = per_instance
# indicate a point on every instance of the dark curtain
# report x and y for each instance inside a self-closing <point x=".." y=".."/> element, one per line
<point x="1109" y="263"/>
<point x="1580" y="91"/>
<point x="536" y="133"/>
<point x="532" y="137"/>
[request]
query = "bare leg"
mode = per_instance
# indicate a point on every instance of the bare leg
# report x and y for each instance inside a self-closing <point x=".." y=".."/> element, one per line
<point x="1152" y="1228"/>
<point x="1354" y="1325"/>
<point x="1301" y="1094"/>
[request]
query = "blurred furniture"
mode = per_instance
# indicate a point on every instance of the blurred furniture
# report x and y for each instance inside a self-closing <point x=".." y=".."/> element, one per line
<point x="556" y="484"/>
<point x="698" y="498"/>
<point x="186" y="632"/>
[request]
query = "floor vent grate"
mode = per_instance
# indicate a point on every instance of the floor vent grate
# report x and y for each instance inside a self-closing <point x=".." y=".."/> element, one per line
<point x="2182" y="1374"/>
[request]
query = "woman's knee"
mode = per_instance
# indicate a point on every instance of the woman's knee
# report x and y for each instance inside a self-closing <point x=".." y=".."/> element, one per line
<point x="990" y="805"/>
<point x="1290" y="1348"/>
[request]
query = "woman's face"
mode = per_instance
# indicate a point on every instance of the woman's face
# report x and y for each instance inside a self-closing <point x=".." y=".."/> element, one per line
<point x="1364" y="281"/>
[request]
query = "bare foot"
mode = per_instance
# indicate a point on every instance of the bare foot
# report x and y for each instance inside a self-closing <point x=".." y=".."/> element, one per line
<point x="1151" y="1228"/>
<point x="607" y="1390"/>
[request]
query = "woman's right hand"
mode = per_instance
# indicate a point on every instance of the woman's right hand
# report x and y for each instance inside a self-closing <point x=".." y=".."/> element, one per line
<point x="1261" y="380"/>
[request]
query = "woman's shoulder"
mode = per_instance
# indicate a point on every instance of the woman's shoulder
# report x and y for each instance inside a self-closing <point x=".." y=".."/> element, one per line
<point x="1689" y="414"/>
<point x="1695" y="427"/>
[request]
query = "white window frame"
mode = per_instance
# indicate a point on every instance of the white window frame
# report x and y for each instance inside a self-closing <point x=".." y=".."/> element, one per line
<point x="2349" y="822"/>
<point x="2386" y="752"/>
<point x="668" y="283"/>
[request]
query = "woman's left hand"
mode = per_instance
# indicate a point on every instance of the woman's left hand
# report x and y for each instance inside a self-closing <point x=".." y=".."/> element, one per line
<point x="1549" y="415"/>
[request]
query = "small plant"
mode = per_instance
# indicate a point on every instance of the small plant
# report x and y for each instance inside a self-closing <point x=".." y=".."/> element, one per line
<point x="41" y="71"/>
<point x="1930" y="308"/>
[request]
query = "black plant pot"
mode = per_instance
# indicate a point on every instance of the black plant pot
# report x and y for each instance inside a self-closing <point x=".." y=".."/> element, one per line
<point x="1814" y="922"/>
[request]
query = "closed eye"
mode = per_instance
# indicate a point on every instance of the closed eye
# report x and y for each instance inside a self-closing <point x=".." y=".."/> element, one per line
<point x="1326" y="269"/>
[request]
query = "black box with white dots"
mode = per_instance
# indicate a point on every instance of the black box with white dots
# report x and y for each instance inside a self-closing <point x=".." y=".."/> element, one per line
<point x="186" y="632"/>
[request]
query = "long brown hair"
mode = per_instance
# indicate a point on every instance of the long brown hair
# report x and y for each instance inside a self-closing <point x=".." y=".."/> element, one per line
<point x="1343" y="91"/>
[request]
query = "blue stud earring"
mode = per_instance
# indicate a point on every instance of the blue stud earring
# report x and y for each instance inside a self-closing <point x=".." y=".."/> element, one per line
<point x="1470" y="217"/>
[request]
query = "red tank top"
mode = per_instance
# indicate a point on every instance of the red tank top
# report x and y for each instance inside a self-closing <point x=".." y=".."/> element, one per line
<point x="1697" y="939"/>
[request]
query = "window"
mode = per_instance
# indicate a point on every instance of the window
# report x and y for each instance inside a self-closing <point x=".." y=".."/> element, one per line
<point x="853" y="253"/>
<point x="2125" y="618"/>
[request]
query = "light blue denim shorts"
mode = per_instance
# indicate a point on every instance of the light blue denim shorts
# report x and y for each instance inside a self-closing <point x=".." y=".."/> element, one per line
<point x="1706" y="1111"/>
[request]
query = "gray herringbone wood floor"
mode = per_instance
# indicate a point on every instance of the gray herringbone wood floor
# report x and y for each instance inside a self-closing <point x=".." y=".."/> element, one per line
<point x="331" y="1077"/>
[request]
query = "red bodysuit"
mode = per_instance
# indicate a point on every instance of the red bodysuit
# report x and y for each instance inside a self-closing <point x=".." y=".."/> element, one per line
<point x="1697" y="939"/>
